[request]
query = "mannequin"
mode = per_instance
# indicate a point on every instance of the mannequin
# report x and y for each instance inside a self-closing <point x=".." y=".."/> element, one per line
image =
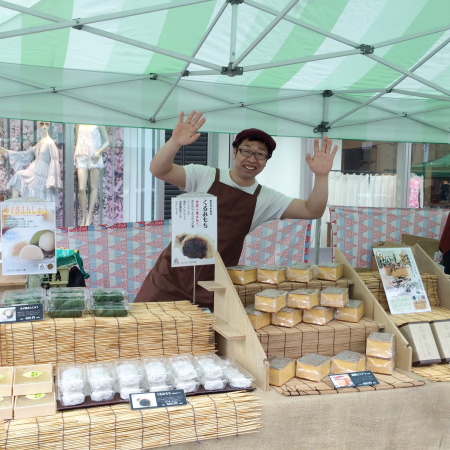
<point x="42" y="177"/>
<point x="90" y="142"/>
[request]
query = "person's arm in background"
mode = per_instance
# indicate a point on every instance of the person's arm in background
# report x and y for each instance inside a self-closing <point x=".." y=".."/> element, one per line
<point x="320" y="164"/>
<point x="184" y="133"/>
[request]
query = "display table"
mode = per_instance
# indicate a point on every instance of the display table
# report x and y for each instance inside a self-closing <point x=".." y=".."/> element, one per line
<point x="398" y="419"/>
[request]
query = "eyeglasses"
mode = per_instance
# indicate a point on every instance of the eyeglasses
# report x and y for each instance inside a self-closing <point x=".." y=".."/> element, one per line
<point x="248" y="153"/>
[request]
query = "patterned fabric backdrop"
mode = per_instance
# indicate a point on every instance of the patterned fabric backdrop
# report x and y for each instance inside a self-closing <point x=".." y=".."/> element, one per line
<point x="355" y="229"/>
<point x="122" y="255"/>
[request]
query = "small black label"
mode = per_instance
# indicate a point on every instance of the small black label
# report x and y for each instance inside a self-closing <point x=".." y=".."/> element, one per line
<point x="161" y="399"/>
<point x="21" y="313"/>
<point x="354" y="379"/>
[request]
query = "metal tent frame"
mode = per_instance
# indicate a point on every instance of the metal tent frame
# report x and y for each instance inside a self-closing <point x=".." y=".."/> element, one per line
<point x="232" y="67"/>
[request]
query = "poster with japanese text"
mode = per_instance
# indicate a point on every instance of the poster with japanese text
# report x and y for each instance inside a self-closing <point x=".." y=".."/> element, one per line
<point x="28" y="237"/>
<point x="401" y="280"/>
<point x="194" y="229"/>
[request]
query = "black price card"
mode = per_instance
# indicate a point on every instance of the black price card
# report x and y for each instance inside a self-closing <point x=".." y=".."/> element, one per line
<point x="21" y="313"/>
<point x="161" y="399"/>
<point x="354" y="379"/>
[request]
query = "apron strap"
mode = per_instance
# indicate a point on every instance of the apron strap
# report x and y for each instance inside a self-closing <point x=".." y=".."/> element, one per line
<point x="257" y="190"/>
<point x="217" y="175"/>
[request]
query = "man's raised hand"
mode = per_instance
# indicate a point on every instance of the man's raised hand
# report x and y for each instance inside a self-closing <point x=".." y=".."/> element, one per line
<point x="186" y="131"/>
<point x="322" y="160"/>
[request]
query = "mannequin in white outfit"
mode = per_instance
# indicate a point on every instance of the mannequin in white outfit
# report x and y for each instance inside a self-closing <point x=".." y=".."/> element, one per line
<point x="42" y="178"/>
<point x="90" y="142"/>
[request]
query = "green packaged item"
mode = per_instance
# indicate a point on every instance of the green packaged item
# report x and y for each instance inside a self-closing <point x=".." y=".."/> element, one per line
<point x="64" y="314"/>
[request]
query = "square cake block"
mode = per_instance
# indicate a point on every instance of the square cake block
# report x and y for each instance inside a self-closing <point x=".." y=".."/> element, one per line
<point x="313" y="367"/>
<point x="270" y="300"/>
<point x="6" y="381"/>
<point x="34" y="405"/>
<point x="330" y="271"/>
<point x="271" y="274"/>
<point x="281" y="370"/>
<point x="300" y="272"/>
<point x="319" y="315"/>
<point x="287" y="317"/>
<point x="353" y="311"/>
<point x="34" y="379"/>
<point x="303" y="298"/>
<point x="258" y="319"/>
<point x="347" y="362"/>
<point x="242" y="274"/>
<point x="6" y="408"/>
<point x="380" y="365"/>
<point x="334" y="297"/>
<point x="381" y="345"/>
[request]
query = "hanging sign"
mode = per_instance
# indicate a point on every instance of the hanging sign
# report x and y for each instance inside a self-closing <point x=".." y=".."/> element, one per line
<point x="401" y="280"/>
<point x="366" y="145"/>
<point x="28" y="237"/>
<point x="194" y="229"/>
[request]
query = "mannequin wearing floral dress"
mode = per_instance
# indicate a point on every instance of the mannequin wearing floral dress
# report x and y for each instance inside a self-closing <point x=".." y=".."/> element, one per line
<point x="42" y="178"/>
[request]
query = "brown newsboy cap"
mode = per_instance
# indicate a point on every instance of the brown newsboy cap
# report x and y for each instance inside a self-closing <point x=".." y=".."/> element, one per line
<point x="258" y="135"/>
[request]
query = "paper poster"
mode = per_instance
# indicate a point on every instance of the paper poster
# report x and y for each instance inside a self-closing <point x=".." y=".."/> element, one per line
<point x="401" y="280"/>
<point x="28" y="237"/>
<point x="194" y="229"/>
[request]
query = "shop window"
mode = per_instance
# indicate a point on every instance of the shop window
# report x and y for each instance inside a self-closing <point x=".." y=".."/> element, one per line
<point x="431" y="163"/>
<point x="196" y="153"/>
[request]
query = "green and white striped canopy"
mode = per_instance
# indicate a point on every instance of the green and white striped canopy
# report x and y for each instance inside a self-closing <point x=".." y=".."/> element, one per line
<point x="377" y="70"/>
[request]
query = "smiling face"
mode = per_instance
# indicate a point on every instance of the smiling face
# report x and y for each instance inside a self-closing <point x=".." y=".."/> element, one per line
<point x="248" y="167"/>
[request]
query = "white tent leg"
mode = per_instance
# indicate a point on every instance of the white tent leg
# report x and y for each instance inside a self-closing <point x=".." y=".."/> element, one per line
<point x="234" y="17"/>
<point x="202" y="40"/>
<point x="264" y="33"/>
<point x="303" y="24"/>
<point x="288" y="62"/>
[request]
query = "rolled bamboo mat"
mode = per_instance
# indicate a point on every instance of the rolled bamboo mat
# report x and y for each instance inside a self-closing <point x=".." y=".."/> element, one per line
<point x="118" y="427"/>
<point x="435" y="372"/>
<point x="373" y="281"/>
<point x="296" y="386"/>
<point x="247" y="292"/>
<point x="326" y="340"/>
<point x="150" y="329"/>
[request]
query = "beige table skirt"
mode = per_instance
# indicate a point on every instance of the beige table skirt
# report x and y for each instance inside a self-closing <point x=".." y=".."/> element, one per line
<point x="399" y="419"/>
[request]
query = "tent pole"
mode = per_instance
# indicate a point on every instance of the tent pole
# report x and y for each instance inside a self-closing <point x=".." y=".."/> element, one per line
<point x="420" y="94"/>
<point x="288" y="62"/>
<point x="303" y="24"/>
<point x="411" y="36"/>
<point x="63" y="23"/>
<point x="265" y="32"/>
<point x="199" y="45"/>
<point x="408" y="73"/>
<point x="234" y="17"/>
<point x="429" y="124"/>
<point x="359" y="91"/>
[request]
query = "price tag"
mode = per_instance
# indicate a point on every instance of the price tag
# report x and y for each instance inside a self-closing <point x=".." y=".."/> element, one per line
<point x="21" y="313"/>
<point x="354" y="379"/>
<point x="161" y="399"/>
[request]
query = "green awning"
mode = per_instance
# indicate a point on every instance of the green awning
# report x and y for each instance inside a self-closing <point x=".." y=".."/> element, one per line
<point x="376" y="70"/>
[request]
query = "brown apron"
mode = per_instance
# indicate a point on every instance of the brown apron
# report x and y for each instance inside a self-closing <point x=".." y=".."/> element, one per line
<point x="235" y="209"/>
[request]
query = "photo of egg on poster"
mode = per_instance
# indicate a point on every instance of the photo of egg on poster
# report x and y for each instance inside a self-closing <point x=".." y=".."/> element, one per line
<point x="194" y="229"/>
<point x="28" y="238"/>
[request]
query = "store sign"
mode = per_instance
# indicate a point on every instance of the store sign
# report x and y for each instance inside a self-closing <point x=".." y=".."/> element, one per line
<point x="354" y="379"/>
<point x="366" y="145"/>
<point x="161" y="399"/>
<point x="194" y="229"/>
<point x="28" y="237"/>
<point x="21" y="313"/>
<point x="401" y="280"/>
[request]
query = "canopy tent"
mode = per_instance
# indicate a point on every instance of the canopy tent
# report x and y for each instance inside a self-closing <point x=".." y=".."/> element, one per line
<point x="376" y="70"/>
<point x="439" y="168"/>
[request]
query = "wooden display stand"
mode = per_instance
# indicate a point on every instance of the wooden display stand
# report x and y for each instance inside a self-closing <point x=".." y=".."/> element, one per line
<point x="374" y="311"/>
<point x="235" y="336"/>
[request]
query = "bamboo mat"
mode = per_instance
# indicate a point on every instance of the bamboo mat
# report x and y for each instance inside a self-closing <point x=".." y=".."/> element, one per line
<point x="247" y="292"/>
<point x="118" y="427"/>
<point x="435" y="372"/>
<point x="435" y="314"/>
<point x="150" y="329"/>
<point x="296" y="386"/>
<point x="373" y="281"/>
<point x="326" y="340"/>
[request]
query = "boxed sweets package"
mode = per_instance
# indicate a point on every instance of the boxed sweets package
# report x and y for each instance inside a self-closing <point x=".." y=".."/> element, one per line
<point x="303" y="298"/>
<point x="313" y="367"/>
<point x="300" y="272"/>
<point x="330" y="271"/>
<point x="270" y="300"/>
<point x="242" y="274"/>
<point x="257" y="318"/>
<point x="281" y="370"/>
<point x="271" y="274"/>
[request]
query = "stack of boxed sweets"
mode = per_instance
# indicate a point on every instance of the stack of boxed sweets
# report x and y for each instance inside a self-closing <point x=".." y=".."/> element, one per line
<point x="27" y="391"/>
<point x="71" y="302"/>
<point x="313" y="367"/>
<point x="277" y="307"/>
